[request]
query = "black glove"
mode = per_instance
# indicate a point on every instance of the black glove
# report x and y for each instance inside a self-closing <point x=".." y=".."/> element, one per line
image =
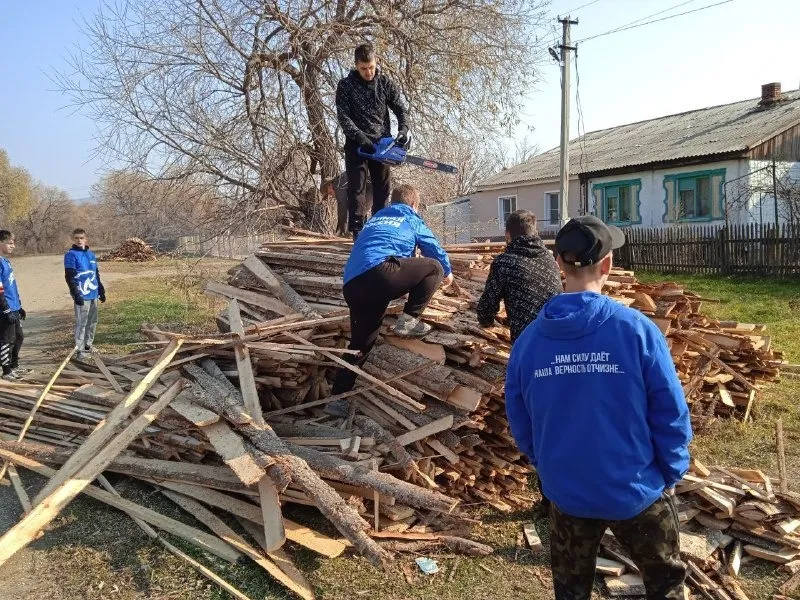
<point x="11" y="317"/>
<point x="78" y="300"/>
<point x="403" y="137"/>
<point x="368" y="148"/>
<point x="22" y="313"/>
<point x="102" y="296"/>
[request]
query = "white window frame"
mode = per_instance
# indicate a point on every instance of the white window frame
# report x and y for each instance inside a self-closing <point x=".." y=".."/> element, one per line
<point x="501" y="219"/>
<point x="546" y="224"/>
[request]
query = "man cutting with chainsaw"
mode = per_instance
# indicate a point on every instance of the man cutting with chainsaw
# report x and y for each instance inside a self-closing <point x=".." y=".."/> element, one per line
<point x="363" y="100"/>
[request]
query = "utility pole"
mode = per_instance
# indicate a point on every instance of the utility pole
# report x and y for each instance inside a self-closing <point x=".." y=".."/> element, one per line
<point x="566" y="60"/>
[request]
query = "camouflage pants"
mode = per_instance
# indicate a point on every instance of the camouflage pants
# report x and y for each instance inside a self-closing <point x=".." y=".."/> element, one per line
<point x="651" y="539"/>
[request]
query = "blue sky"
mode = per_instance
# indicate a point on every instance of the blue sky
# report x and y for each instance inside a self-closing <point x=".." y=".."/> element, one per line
<point x="715" y="56"/>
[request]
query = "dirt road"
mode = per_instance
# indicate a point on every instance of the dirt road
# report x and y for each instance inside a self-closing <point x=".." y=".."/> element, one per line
<point x="48" y="327"/>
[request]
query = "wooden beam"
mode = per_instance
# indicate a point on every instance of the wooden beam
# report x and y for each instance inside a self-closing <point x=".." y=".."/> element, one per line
<point x="420" y="433"/>
<point x="107" y="427"/>
<point x="107" y="374"/>
<point x="250" y="297"/>
<point x="26" y="530"/>
<point x="274" y="533"/>
<point x="197" y="415"/>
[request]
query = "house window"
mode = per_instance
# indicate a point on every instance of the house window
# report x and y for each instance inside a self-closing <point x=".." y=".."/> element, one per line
<point x="552" y="209"/>
<point x="694" y="196"/>
<point x="617" y="202"/>
<point x="505" y="206"/>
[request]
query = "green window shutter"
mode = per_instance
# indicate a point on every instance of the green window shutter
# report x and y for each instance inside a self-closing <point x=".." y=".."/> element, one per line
<point x="597" y="209"/>
<point x="636" y="215"/>
<point x="717" y="208"/>
<point x="670" y="213"/>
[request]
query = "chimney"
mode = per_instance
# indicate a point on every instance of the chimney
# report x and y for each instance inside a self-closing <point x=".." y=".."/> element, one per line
<point x="770" y="93"/>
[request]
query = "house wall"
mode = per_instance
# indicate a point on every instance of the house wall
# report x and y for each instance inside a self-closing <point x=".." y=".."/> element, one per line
<point x="484" y="205"/>
<point x="652" y="194"/>
<point x="761" y="199"/>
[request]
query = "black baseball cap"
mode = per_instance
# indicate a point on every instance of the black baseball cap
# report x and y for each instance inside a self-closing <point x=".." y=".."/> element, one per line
<point x="588" y="239"/>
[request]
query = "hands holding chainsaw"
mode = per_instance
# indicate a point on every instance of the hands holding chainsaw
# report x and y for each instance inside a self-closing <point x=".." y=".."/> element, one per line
<point x="403" y="138"/>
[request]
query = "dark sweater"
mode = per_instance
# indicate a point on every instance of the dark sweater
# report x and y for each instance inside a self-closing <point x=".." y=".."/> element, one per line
<point x="524" y="277"/>
<point x="362" y="108"/>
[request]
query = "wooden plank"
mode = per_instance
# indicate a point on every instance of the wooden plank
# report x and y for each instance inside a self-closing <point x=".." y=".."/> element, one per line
<point x="197" y="510"/>
<point x="726" y="505"/>
<point x="433" y="352"/>
<point x="255" y="265"/>
<point x="202" y="540"/>
<point x="606" y="566"/>
<point x="107" y="427"/>
<point x="532" y="537"/>
<point x="779" y="446"/>
<point x="735" y="559"/>
<point x="259" y="300"/>
<point x="274" y="533"/>
<point x="107" y="374"/>
<point x="626" y="585"/>
<point x="464" y="398"/>
<point x="19" y="489"/>
<point x="420" y="433"/>
<point x="231" y="449"/>
<point x="45" y="511"/>
<point x="780" y="557"/>
<point x="197" y="415"/>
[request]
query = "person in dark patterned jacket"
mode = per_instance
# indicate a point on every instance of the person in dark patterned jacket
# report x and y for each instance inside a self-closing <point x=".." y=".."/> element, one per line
<point x="363" y="101"/>
<point x="524" y="277"/>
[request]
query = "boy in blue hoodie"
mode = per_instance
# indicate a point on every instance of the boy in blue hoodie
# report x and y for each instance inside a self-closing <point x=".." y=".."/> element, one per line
<point x="381" y="268"/>
<point x="85" y="287"/>
<point x="11" y="313"/>
<point x="593" y="399"/>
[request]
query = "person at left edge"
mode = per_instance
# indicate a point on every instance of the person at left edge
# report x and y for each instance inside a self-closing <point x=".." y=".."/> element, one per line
<point x="381" y="268"/>
<point x="11" y="335"/>
<point x="85" y="287"/>
<point x="363" y="101"/>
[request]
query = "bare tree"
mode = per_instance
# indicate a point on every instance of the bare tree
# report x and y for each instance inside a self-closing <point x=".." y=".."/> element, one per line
<point x="45" y="226"/>
<point x="773" y="188"/>
<point x="240" y="92"/>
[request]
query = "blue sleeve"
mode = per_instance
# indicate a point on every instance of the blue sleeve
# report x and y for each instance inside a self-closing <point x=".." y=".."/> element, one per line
<point x="667" y="410"/>
<point x="519" y="419"/>
<point x="69" y="261"/>
<point x="429" y="245"/>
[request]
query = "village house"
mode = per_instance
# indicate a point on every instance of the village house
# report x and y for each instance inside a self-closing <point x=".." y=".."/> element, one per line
<point x="678" y="169"/>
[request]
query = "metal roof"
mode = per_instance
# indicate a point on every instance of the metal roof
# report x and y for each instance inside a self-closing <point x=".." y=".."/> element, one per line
<point x="709" y="131"/>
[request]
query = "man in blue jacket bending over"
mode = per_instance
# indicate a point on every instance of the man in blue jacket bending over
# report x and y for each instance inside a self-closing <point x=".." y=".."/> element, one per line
<point x="382" y="267"/>
<point x="593" y="400"/>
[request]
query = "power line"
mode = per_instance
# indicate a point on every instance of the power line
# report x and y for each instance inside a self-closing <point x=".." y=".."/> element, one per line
<point x="633" y="26"/>
<point x="583" y="160"/>
<point x="572" y="10"/>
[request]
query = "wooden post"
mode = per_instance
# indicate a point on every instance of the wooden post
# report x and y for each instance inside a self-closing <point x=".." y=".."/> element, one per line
<point x="784" y="484"/>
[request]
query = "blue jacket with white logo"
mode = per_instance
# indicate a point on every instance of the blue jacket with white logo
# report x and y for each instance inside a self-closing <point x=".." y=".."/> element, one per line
<point x="593" y="399"/>
<point x="396" y="230"/>
<point x="9" y="293"/>
<point x="82" y="274"/>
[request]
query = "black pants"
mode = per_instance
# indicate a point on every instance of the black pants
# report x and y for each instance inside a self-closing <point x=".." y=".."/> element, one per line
<point x="357" y="168"/>
<point x="11" y="338"/>
<point x="651" y="539"/>
<point x="368" y="296"/>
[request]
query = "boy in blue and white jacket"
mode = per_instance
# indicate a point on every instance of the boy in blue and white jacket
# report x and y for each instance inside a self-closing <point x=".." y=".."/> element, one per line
<point x="11" y="313"/>
<point x="593" y="399"/>
<point x="85" y="287"/>
<point x="382" y="268"/>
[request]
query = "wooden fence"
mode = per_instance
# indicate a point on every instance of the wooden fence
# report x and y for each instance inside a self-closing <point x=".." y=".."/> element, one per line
<point x="735" y="249"/>
<point x="222" y="246"/>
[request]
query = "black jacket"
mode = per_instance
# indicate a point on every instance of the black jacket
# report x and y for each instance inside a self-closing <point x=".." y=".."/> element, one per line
<point x="362" y="108"/>
<point x="524" y="277"/>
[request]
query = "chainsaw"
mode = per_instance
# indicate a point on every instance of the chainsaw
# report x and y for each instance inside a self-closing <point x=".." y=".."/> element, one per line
<point x="389" y="152"/>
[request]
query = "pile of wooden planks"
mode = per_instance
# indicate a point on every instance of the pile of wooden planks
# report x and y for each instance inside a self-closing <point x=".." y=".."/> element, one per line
<point x="728" y="517"/>
<point x="131" y="250"/>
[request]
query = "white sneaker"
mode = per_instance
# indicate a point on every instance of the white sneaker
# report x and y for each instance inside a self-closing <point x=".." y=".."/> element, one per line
<point x="21" y="371"/>
<point x="408" y="326"/>
<point x="92" y="350"/>
<point x="11" y="377"/>
<point x="83" y="357"/>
